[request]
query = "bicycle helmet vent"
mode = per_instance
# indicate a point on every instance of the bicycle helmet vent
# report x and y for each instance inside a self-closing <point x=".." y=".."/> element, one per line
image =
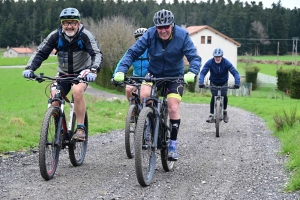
<point x="163" y="18"/>
<point x="69" y="13"/>
<point x="218" y="52"/>
<point x="139" y="32"/>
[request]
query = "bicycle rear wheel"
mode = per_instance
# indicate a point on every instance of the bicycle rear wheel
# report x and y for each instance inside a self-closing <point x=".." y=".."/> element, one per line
<point x="48" y="150"/>
<point x="165" y="140"/>
<point x="145" y="158"/>
<point x="77" y="150"/>
<point x="218" y="117"/>
<point x="131" y="120"/>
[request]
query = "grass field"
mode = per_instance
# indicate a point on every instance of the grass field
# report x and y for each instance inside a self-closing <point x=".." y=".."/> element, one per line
<point x="23" y="104"/>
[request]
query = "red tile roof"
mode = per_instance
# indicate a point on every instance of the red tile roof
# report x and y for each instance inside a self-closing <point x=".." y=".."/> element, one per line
<point x="22" y="50"/>
<point x="196" y="29"/>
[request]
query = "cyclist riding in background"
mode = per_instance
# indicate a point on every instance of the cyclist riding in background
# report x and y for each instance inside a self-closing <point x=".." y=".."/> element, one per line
<point x="219" y="68"/>
<point x="140" y="65"/>
<point x="78" y="52"/>
<point x="167" y="44"/>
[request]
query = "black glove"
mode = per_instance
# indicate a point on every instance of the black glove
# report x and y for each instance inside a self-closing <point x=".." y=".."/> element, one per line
<point x="201" y="86"/>
<point x="236" y="86"/>
<point x="94" y="69"/>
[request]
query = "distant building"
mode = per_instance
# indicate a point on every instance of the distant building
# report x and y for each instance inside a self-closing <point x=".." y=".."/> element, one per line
<point x="17" y="52"/>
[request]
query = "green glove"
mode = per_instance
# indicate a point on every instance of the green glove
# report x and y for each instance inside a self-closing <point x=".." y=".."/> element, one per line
<point x="189" y="77"/>
<point x="119" y="77"/>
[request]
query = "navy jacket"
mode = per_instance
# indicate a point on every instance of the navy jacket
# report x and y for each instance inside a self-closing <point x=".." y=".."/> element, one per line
<point x="164" y="61"/>
<point x="219" y="72"/>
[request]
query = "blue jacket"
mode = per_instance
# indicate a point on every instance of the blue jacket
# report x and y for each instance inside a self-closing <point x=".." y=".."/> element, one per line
<point x="164" y="61"/>
<point x="140" y="66"/>
<point x="219" y="72"/>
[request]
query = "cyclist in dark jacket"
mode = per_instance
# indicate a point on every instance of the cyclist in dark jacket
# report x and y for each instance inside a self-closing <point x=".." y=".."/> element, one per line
<point x="218" y="67"/>
<point x="167" y="44"/>
<point x="78" y="53"/>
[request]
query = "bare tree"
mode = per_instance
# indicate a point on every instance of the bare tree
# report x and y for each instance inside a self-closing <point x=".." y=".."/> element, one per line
<point x="115" y="36"/>
<point x="258" y="32"/>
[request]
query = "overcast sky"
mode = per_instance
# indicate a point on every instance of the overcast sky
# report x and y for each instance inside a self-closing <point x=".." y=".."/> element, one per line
<point x="267" y="3"/>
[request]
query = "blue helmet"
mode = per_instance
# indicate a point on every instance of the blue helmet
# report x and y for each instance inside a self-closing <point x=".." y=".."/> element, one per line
<point x="218" y="52"/>
<point x="69" y="13"/>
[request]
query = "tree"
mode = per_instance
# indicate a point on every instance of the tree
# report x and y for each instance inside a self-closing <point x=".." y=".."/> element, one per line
<point x="115" y="36"/>
<point x="258" y="32"/>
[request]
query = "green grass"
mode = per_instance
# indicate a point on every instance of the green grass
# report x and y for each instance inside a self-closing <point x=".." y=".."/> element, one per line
<point x="23" y="105"/>
<point x="281" y="58"/>
<point x="23" y="61"/>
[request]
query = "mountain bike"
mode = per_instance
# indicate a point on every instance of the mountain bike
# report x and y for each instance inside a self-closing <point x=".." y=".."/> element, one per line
<point x="218" y="106"/>
<point x="152" y="133"/>
<point x="135" y="106"/>
<point x="56" y="133"/>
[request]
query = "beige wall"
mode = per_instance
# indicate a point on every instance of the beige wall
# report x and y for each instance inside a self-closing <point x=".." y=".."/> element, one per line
<point x="205" y="51"/>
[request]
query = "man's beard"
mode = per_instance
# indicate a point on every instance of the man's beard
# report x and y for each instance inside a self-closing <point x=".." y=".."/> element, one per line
<point x="70" y="34"/>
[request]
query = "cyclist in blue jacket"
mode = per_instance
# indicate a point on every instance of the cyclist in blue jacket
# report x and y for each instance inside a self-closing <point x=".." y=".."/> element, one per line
<point x="140" y="65"/>
<point x="219" y="68"/>
<point x="167" y="44"/>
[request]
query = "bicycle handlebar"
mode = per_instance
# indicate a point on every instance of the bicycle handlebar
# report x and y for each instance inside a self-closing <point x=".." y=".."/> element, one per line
<point x="72" y="78"/>
<point x="220" y="87"/>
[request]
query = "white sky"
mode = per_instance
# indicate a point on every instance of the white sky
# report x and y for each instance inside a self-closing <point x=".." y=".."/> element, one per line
<point x="267" y="3"/>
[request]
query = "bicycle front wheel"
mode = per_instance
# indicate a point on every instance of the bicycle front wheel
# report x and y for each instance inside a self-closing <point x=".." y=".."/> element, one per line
<point x="77" y="150"/>
<point x="131" y="120"/>
<point x="218" y="117"/>
<point x="165" y="140"/>
<point x="48" y="150"/>
<point x="145" y="158"/>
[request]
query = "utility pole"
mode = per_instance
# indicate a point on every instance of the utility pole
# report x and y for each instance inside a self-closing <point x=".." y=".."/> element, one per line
<point x="277" y="56"/>
<point x="294" y="54"/>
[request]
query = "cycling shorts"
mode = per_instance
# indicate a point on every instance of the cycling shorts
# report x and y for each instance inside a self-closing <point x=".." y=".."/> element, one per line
<point x="65" y="86"/>
<point x="171" y="89"/>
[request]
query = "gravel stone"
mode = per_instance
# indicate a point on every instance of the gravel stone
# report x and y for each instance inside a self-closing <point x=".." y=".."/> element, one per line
<point x="243" y="163"/>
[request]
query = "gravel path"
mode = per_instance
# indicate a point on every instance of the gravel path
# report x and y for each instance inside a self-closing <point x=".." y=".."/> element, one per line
<point x="242" y="164"/>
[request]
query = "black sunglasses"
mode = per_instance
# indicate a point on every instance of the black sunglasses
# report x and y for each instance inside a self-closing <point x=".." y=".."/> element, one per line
<point x="163" y="27"/>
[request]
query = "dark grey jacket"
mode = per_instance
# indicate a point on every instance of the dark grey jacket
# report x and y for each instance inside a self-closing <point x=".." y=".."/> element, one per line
<point x="71" y="59"/>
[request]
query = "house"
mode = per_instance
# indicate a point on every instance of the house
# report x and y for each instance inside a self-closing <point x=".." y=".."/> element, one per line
<point x="206" y="39"/>
<point x="17" y="52"/>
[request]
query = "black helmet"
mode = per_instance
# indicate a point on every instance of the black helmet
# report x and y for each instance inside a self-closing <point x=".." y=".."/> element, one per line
<point x="69" y="13"/>
<point x="140" y="31"/>
<point x="163" y="18"/>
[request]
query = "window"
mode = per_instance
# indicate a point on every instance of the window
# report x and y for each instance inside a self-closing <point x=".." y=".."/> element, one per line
<point x="208" y="39"/>
<point x="202" y="39"/>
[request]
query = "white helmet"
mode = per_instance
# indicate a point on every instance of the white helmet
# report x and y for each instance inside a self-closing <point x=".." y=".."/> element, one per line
<point x="140" y="31"/>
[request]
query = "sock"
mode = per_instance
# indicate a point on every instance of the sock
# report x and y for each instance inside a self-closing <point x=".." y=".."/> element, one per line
<point x="175" y="123"/>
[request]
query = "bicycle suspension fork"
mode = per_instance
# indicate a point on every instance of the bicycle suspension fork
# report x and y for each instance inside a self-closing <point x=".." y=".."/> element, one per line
<point x="157" y="121"/>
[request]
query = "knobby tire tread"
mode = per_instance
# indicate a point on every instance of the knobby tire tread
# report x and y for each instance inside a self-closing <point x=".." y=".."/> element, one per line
<point x="129" y="146"/>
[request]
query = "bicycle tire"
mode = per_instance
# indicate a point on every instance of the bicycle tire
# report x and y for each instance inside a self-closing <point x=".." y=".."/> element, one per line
<point x="77" y="150"/>
<point x="130" y="129"/>
<point x="165" y="137"/>
<point x="218" y="117"/>
<point x="145" y="158"/>
<point x="48" y="151"/>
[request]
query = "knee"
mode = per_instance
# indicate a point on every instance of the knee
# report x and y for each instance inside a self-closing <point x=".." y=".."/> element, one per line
<point x="173" y="108"/>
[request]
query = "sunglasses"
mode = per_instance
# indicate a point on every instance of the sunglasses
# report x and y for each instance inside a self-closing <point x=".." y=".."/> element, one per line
<point x="67" y="23"/>
<point x="163" y="27"/>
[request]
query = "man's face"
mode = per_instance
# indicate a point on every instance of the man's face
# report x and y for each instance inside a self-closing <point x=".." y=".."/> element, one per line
<point x="218" y="59"/>
<point x="164" y="32"/>
<point x="70" y="27"/>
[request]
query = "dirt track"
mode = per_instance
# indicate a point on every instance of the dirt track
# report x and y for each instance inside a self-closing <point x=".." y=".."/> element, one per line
<point x="242" y="164"/>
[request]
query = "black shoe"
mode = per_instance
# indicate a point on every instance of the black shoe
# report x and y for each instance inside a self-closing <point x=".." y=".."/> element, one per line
<point x="225" y="117"/>
<point x="210" y="119"/>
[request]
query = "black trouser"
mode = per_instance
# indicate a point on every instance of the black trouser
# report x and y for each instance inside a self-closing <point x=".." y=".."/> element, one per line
<point x="214" y="92"/>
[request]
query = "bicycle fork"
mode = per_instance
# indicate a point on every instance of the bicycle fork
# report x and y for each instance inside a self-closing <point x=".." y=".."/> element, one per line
<point x="155" y="136"/>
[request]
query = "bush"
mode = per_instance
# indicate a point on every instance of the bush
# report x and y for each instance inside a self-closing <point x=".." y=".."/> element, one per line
<point x="287" y="119"/>
<point x="251" y="76"/>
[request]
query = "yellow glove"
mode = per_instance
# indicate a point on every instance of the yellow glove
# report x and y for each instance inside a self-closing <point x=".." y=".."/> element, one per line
<point x="189" y="77"/>
<point x="119" y="77"/>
